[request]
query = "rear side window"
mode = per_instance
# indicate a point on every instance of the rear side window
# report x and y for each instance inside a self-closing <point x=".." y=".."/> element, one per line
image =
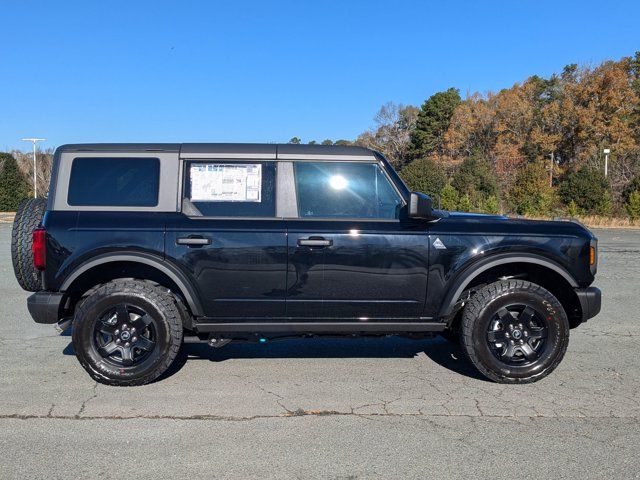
<point x="114" y="182"/>
<point x="345" y="190"/>
<point x="231" y="189"/>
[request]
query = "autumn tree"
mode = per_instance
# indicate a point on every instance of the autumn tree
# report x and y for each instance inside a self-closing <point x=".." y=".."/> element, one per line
<point x="391" y="135"/>
<point x="43" y="172"/>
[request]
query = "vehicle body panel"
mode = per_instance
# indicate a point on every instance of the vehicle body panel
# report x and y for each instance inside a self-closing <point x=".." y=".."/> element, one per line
<point x="77" y="237"/>
<point x="242" y="272"/>
<point x="254" y="269"/>
<point x="370" y="270"/>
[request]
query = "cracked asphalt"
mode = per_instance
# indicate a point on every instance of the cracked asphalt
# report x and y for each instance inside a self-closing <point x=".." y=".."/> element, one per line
<point x="364" y="408"/>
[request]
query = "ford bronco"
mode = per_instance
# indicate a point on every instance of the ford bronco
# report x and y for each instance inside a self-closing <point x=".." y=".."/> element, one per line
<point x="141" y="247"/>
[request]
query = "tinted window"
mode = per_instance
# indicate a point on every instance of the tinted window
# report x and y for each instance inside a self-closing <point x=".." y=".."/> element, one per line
<point x="232" y="189"/>
<point x="342" y="189"/>
<point x="114" y="182"/>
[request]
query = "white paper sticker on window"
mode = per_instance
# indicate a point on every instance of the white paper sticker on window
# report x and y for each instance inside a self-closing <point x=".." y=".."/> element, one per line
<point x="220" y="182"/>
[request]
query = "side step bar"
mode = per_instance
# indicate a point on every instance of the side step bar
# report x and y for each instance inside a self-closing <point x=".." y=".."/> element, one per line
<point x="319" y="327"/>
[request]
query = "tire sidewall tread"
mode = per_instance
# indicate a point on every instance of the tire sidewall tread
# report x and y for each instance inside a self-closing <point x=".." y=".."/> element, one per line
<point x="28" y="217"/>
<point x="479" y="307"/>
<point x="135" y="292"/>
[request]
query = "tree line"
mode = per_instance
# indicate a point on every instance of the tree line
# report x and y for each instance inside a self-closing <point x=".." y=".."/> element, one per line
<point x="536" y="148"/>
<point x="16" y="177"/>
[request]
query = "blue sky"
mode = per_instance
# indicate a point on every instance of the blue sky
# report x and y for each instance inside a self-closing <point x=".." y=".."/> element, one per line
<point x="258" y="71"/>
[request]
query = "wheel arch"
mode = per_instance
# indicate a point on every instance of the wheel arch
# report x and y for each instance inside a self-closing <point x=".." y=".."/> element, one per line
<point x="142" y="265"/>
<point x="537" y="269"/>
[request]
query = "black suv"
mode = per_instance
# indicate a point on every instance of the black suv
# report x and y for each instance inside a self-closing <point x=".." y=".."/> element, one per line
<point x="145" y="246"/>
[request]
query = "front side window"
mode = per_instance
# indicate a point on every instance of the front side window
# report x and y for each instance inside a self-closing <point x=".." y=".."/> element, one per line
<point x="114" y="182"/>
<point x="231" y="189"/>
<point x="345" y="190"/>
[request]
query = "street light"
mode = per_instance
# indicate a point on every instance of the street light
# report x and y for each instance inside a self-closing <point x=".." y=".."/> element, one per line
<point x="606" y="152"/>
<point x="34" y="141"/>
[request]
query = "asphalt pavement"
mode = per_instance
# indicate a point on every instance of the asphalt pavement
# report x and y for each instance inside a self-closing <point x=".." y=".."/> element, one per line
<point x="363" y="408"/>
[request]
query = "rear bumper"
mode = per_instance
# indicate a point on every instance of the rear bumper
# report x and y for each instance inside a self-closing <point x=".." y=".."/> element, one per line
<point x="44" y="307"/>
<point x="590" y="301"/>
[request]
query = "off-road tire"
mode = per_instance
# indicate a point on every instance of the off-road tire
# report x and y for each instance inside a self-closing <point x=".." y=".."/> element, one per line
<point x="479" y="312"/>
<point x="157" y="302"/>
<point x="28" y="217"/>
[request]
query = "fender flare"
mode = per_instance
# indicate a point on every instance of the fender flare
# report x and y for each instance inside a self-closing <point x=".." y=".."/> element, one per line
<point x="466" y="275"/>
<point x="186" y="288"/>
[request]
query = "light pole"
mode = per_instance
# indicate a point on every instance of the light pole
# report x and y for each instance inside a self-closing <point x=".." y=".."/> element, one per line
<point x="34" y="141"/>
<point x="606" y="152"/>
<point x="552" y="155"/>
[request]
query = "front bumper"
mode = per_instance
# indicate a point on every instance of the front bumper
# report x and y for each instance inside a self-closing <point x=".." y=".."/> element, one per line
<point x="44" y="307"/>
<point x="590" y="301"/>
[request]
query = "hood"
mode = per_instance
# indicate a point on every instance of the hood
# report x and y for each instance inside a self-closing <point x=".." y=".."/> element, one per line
<point x="487" y="216"/>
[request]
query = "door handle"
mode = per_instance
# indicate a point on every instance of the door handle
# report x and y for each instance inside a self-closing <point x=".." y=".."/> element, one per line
<point x="314" y="242"/>
<point x="193" y="241"/>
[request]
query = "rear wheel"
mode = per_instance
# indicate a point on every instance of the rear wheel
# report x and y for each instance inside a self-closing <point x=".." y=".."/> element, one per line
<point x="127" y="332"/>
<point x="28" y="217"/>
<point x="514" y="331"/>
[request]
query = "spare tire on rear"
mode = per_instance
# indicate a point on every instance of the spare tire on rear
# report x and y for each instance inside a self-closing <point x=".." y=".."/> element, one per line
<point x="28" y="217"/>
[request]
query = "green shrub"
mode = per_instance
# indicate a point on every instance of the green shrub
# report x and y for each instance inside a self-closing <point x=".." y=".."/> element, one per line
<point x="572" y="209"/>
<point x="589" y="189"/>
<point x="14" y="187"/>
<point x="465" y="205"/>
<point x="633" y="186"/>
<point x="491" y="205"/>
<point x="633" y="205"/>
<point x="449" y="197"/>
<point x="531" y="193"/>
<point x="478" y="179"/>
<point x="424" y="175"/>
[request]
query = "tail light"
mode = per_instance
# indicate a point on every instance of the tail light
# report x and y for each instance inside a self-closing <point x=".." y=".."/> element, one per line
<point x="39" y="248"/>
<point x="592" y="255"/>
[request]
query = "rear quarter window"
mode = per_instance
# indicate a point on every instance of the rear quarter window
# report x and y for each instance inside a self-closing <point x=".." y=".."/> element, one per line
<point x="114" y="181"/>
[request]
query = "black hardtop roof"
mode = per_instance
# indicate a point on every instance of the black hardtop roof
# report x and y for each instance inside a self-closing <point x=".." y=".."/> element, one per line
<point x="221" y="148"/>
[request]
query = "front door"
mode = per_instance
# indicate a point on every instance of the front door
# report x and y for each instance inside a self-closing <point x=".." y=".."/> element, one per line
<point x="350" y="256"/>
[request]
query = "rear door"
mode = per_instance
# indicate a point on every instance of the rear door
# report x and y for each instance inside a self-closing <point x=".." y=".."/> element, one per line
<point x="227" y="237"/>
<point x="350" y="254"/>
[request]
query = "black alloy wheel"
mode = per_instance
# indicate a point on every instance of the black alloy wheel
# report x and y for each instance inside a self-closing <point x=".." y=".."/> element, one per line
<point x="517" y="334"/>
<point x="125" y="335"/>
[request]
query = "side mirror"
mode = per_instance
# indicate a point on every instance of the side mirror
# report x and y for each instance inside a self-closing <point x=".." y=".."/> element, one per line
<point x="420" y="206"/>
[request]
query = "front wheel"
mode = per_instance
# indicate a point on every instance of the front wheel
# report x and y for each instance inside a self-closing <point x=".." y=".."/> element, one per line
<point x="127" y="332"/>
<point x="514" y="331"/>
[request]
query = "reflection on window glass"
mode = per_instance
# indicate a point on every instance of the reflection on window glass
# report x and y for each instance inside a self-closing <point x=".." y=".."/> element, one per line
<point x="343" y="189"/>
<point x="114" y="182"/>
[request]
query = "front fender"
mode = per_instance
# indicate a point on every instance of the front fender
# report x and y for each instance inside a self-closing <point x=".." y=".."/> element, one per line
<point x="472" y="269"/>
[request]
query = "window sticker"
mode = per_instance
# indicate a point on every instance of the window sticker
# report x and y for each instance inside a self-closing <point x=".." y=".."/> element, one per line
<point x="219" y="182"/>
